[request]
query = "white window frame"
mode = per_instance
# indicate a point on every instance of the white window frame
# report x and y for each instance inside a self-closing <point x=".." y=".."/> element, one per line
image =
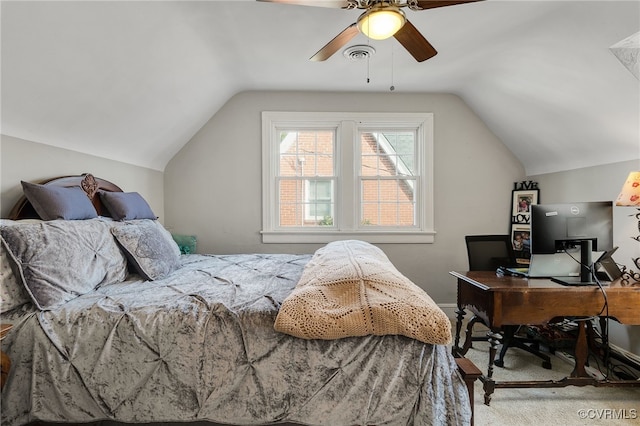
<point x="347" y="191"/>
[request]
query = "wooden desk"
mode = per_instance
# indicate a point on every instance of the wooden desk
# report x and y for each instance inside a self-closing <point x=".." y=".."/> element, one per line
<point x="506" y="300"/>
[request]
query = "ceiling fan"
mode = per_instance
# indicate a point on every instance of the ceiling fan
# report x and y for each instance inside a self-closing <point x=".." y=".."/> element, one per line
<point x="381" y="19"/>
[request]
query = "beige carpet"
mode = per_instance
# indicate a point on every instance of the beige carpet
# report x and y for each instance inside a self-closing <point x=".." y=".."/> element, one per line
<point x="567" y="406"/>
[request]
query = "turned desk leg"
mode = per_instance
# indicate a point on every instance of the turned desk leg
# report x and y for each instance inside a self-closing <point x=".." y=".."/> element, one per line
<point x="455" y="350"/>
<point x="581" y="351"/>
<point x="494" y="341"/>
<point x="489" y="384"/>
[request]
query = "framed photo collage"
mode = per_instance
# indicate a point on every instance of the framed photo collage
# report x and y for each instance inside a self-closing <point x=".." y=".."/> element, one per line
<point x="524" y="195"/>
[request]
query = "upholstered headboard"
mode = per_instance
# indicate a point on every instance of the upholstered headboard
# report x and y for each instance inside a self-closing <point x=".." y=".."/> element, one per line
<point x="90" y="184"/>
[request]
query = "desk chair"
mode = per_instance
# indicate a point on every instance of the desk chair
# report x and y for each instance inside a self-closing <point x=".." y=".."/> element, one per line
<point x="488" y="253"/>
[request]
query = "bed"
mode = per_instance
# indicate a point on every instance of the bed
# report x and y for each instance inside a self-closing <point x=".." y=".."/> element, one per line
<point x="111" y="323"/>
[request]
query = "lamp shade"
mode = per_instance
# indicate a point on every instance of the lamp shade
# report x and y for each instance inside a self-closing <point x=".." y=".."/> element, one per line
<point x="630" y="192"/>
<point x="380" y="24"/>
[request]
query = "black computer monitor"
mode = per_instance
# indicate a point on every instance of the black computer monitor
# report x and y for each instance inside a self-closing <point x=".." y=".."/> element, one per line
<point x="572" y="228"/>
<point x="558" y="227"/>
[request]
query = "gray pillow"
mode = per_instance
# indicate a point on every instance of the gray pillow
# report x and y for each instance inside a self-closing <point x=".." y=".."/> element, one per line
<point x="149" y="247"/>
<point x="126" y="205"/>
<point x="56" y="202"/>
<point x="59" y="260"/>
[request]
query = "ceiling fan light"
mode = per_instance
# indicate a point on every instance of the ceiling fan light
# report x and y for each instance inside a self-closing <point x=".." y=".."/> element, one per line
<point x="381" y="24"/>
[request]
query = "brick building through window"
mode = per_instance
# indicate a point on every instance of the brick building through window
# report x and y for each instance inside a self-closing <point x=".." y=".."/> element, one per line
<point x="307" y="189"/>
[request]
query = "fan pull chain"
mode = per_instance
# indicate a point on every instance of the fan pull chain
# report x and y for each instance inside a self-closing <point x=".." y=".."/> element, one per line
<point x="392" y="88"/>
<point x="368" y="56"/>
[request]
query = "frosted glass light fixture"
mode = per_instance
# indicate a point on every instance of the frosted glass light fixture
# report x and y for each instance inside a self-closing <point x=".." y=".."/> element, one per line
<point x="381" y="22"/>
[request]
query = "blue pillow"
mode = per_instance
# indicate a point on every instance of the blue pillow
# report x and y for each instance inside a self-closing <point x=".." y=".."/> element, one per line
<point x="149" y="247"/>
<point x="126" y="205"/>
<point x="57" y="202"/>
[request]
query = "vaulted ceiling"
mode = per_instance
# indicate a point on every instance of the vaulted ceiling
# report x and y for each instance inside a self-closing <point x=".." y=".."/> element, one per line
<point x="134" y="81"/>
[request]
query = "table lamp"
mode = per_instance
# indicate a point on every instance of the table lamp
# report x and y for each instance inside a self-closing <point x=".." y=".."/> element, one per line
<point x="630" y="197"/>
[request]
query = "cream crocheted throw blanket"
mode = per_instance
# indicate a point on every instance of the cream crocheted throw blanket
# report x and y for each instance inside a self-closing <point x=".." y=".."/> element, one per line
<point x="350" y="288"/>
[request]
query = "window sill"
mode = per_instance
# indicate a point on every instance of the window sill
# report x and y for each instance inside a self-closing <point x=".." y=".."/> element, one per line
<point x="377" y="237"/>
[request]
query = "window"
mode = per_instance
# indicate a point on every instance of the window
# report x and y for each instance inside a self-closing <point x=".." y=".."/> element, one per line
<point x="329" y="176"/>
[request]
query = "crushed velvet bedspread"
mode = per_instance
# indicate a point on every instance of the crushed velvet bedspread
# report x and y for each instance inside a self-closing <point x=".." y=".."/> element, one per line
<point x="199" y="345"/>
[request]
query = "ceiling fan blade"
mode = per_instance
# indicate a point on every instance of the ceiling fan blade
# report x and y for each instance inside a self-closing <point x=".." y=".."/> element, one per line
<point x="340" y="4"/>
<point x="415" y="43"/>
<point x="432" y="4"/>
<point x="335" y="44"/>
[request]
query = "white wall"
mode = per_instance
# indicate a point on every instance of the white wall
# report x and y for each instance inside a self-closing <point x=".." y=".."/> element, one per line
<point x="602" y="183"/>
<point x="213" y="185"/>
<point x="33" y="162"/>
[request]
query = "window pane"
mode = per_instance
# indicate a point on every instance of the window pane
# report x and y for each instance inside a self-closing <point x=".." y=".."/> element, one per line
<point x="291" y="198"/>
<point x="306" y="202"/>
<point x="319" y="202"/>
<point x="386" y="214"/>
<point x="289" y="165"/>
<point x="387" y="202"/>
<point x="319" y="212"/>
<point x="307" y="153"/>
<point x="387" y="153"/>
<point x="319" y="190"/>
<point x="370" y="190"/>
